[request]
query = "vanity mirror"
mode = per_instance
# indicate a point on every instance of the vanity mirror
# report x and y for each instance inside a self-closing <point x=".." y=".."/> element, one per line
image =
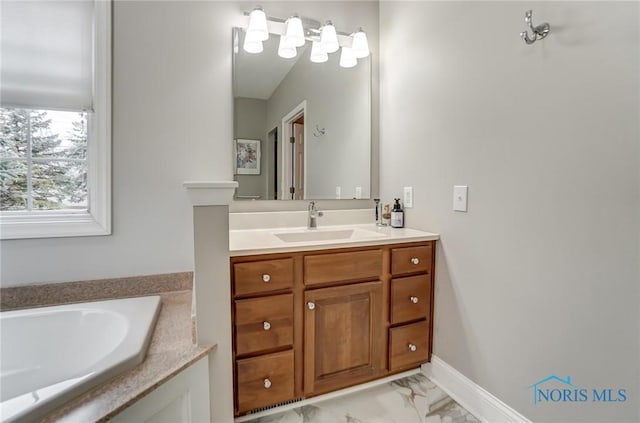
<point x="325" y="107"/>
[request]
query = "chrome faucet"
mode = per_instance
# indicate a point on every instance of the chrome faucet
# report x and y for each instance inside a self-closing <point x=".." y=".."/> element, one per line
<point x="314" y="214"/>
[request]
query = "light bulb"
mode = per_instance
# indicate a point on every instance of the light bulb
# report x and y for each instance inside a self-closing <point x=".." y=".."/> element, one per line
<point x="360" y="45"/>
<point x="295" y="32"/>
<point x="286" y="50"/>
<point x="328" y="38"/>
<point x="318" y="55"/>
<point x="347" y="58"/>
<point x="258" y="25"/>
<point x="252" y="46"/>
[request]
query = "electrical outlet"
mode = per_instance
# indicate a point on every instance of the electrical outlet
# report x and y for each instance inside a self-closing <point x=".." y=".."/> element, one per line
<point x="358" y="193"/>
<point x="408" y="197"/>
<point x="338" y="192"/>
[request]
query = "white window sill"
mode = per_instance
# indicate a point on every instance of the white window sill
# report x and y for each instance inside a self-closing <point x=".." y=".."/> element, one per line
<point x="52" y="225"/>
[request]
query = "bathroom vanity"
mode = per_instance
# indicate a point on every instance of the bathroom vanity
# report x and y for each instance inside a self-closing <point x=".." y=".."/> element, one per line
<point x="312" y="314"/>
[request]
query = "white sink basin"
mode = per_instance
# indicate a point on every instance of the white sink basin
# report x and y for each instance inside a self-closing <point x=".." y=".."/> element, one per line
<point x="311" y="235"/>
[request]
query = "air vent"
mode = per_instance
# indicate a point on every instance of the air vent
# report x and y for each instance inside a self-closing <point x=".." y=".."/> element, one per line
<point x="271" y="407"/>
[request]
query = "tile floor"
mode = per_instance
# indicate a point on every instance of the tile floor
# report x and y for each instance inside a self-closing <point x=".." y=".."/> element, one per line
<point x="412" y="399"/>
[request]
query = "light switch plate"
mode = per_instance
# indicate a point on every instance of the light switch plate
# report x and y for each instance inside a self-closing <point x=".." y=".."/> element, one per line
<point x="460" y="198"/>
<point x="408" y="197"/>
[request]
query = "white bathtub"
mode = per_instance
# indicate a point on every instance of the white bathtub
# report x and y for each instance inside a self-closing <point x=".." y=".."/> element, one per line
<point x="51" y="354"/>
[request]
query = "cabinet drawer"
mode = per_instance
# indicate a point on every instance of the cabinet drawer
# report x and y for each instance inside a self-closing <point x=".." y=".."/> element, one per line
<point x="410" y="298"/>
<point x="265" y="380"/>
<point x="411" y="259"/>
<point x="263" y="276"/>
<point x="408" y="345"/>
<point x="337" y="267"/>
<point x="264" y="323"/>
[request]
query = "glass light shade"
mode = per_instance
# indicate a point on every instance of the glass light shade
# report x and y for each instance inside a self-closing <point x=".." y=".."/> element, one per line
<point x="318" y="55"/>
<point x="286" y="50"/>
<point x="328" y="38"/>
<point x="252" y="45"/>
<point x="360" y="45"/>
<point x="295" y="32"/>
<point x="258" y="25"/>
<point x="347" y="58"/>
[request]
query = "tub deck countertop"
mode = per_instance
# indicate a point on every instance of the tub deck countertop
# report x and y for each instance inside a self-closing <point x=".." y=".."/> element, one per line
<point x="171" y="350"/>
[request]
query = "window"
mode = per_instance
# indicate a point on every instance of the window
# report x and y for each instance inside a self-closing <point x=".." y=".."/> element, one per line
<point x="55" y="118"/>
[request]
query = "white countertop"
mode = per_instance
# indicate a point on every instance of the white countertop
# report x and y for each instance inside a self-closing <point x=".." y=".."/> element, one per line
<point x="264" y="241"/>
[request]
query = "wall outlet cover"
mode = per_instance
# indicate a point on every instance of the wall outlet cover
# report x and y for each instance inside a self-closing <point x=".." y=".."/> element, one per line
<point x="460" y="198"/>
<point x="408" y="197"/>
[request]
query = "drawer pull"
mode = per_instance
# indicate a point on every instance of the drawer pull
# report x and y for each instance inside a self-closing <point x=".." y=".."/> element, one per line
<point x="415" y="260"/>
<point x="267" y="383"/>
<point x="266" y="277"/>
<point x="412" y="347"/>
<point x="311" y="305"/>
<point x="414" y="300"/>
<point x="266" y="325"/>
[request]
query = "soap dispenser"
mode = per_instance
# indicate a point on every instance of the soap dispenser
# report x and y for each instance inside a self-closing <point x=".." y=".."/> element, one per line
<point x="397" y="215"/>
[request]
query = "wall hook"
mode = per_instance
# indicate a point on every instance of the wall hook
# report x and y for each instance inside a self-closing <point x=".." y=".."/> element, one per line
<point x="539" y="32"/>
<point x="318" y="132"/>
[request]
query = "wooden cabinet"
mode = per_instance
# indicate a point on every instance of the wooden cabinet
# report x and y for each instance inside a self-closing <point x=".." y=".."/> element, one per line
<point x="264" y="323"/>
<point x="342" y="336"/>
<point x="264" y="380"/>
<point x="410" y="298"/>
<point x="310" y="322"/>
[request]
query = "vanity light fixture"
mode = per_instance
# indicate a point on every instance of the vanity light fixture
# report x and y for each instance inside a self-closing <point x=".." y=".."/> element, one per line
<point x="360" y="45"/>
<point x="347" y="58"/>
<point x="295" y="31"/>
<point x="329" y="38"/>
<point x="257" y="31"/>
<point x="286" y="49"/>
<point x="318" y="55"/>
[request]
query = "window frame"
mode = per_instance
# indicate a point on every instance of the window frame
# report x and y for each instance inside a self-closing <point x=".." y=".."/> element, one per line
<point x="96" y="220"/>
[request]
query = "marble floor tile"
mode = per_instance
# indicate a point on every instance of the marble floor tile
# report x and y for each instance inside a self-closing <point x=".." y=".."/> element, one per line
<point x="413" y="399"/>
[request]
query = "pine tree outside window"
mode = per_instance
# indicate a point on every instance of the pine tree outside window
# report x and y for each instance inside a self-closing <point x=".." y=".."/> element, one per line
<point x="55" y="118"/>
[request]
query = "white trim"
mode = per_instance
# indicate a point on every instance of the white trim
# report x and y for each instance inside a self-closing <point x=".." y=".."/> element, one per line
<point x="97" y="219"/>
<point x="202" y="193"/>
<point x="470" y="395"/>
<point x="286" y="150"/>
<point x="327" y="396"/>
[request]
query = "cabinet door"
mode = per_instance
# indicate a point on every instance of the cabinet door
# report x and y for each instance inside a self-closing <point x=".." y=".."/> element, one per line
<point x="343" y="341"/>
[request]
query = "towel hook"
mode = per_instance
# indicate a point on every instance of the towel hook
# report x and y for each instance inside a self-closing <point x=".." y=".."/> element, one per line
<point x="539" y="32"/>
<point x="319" y="132"/>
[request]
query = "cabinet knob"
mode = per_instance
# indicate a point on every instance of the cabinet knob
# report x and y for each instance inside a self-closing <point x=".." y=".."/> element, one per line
<point x="266" y="277"/>
<point x="266" y="325"/>
<point x="412" y="347"/>
<point x="414" y="300"/>
<point x="267" y="383"/>
<point x="311" y="305"/>
<point x="415" y="260"/>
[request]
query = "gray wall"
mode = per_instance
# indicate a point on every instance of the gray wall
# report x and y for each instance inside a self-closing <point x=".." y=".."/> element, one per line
<point x="338" y="100"/>
<point x="172" y="122"/>
<point x="541" y="275"/>
<point x="252" y="113"/>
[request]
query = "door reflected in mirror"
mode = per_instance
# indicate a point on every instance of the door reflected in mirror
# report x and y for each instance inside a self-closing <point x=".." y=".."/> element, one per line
<point x="313" y="121"/>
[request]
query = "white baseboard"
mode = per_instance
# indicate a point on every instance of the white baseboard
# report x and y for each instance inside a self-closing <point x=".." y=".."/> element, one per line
<point x="469" y="395"/>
